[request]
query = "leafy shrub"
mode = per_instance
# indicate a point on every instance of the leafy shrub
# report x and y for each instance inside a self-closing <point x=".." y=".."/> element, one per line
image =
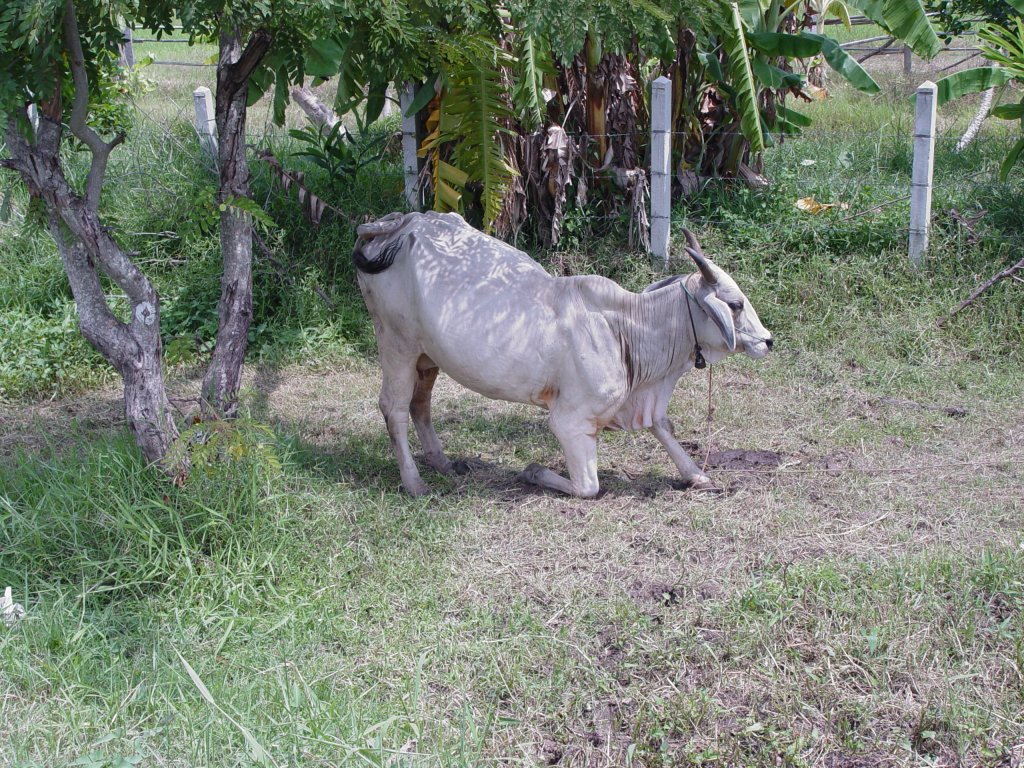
<point x="102" y="519"/>
<point x="40" y="354"/>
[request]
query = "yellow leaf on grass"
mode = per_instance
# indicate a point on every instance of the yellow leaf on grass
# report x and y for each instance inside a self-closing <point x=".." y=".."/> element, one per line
<point x="810" y="205"/>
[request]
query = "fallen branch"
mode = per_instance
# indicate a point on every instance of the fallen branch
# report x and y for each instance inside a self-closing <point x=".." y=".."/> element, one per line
<point x="1008" y="272"/>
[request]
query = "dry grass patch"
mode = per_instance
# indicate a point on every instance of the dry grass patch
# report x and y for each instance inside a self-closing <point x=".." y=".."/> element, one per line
<point x="853" y="597"/>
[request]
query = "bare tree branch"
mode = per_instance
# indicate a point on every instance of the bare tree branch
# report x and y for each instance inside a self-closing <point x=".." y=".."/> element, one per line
<point x="97" y="322"/>
<point x="253" y="54"/>
<point x="80" y="109"/>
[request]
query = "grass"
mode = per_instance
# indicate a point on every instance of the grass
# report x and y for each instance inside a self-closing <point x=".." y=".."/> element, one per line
<point x="850" y="614"/>
<point x="858" y="604"/>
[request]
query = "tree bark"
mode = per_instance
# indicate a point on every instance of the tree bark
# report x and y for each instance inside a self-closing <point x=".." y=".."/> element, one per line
<point x="979" y="117"/>
<point x="223" y="377"/>
<point x="133" y="348"/>
<point x="597" y="95"/>
<point x="317" y="112"/>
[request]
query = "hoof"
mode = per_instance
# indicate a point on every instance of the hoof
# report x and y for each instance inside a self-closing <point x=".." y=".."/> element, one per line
<point x="529" y="475"/>
<point x="701" y="483"/>
<point x="465" y="466"/>
<point x="416" y="489"/>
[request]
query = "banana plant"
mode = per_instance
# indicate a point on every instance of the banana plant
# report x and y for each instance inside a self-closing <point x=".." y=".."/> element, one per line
<point x="469" y="113"/>
<point x="750" y="61"/>
<point x="1004" y="47"/>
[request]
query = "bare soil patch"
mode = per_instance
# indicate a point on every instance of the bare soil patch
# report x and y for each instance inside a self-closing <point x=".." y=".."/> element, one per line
<point x="742" y="458"/>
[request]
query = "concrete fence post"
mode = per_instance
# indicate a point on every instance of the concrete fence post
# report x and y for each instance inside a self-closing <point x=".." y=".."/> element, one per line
<point x="206" y="121"/>
<point x="411" y="164"/>
<point x="661" y="176"/>
<point x="127" y="49"/>
<point x="908" y="60"/>
<point x="921" y="176"/>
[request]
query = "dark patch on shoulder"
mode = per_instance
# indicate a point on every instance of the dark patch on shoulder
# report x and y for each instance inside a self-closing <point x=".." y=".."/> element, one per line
<point x="632" y="370"/>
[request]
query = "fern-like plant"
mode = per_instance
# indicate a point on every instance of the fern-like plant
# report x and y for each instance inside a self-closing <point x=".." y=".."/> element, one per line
<point x="471" y="113"/>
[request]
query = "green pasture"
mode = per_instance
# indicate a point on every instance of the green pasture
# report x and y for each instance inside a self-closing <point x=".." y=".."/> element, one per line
<point x="856" y="601"/>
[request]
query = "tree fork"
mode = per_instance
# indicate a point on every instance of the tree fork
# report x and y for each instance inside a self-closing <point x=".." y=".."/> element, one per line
<point x="133" y="348"/>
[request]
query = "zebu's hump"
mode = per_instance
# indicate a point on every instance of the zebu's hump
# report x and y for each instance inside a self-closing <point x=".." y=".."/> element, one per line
<point x="385" y="225"/>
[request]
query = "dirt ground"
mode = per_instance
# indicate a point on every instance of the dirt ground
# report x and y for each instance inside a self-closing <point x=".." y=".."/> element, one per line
<point x="814" y="470"/>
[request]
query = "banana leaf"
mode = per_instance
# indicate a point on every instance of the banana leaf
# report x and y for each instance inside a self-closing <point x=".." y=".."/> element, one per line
<point x="794" y="117"/>
<point x="779" y="44"/>
<point x="422" y="97"/>
<point x="324" y="56"/>
<point x="375" y="97"/>
<point x="713" y="66"/>
<point x="906" y="20"/>
<point x="845" y="64"/>
<point x="1009" y="111"/>
<point x="773" y="77"/>
<point x="1011" y="159"/>
<point x="280" y="94"/>
<point x="735" y="44"/>
<point x="970" y="81"/>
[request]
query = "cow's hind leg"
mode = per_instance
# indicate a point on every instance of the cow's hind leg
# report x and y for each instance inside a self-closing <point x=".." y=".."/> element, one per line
<point x="578" y="439"/>
<point x="419" y="408"/>
<point x="396" y="395"/>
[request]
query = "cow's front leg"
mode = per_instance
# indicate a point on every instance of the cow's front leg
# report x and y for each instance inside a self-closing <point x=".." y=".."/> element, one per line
<point x="692" y="474"/>
<point x="578" y="439"/>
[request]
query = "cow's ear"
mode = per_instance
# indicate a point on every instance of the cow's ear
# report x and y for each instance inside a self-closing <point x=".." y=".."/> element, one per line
<point x="720" y="313"/>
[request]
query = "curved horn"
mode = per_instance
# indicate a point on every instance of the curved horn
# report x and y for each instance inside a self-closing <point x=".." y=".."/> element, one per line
<point x="697" y="254"/>
<point x="691" y="240"/>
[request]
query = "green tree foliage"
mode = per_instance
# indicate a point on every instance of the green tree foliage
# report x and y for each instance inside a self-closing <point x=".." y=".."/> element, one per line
<point x="954" y="17"/>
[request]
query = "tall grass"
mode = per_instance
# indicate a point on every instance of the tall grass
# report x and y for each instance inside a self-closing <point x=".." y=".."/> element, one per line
<point x="206" y="624"/>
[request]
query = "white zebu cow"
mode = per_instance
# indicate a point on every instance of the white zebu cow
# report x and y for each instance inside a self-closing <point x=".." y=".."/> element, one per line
<point x="445" y="296"/>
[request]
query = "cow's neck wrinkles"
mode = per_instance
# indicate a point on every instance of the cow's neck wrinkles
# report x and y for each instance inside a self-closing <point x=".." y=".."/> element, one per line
<point x="657" y="333"/>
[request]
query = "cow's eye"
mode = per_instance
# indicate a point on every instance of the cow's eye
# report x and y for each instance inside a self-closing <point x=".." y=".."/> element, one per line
<point x="736" y="306"/>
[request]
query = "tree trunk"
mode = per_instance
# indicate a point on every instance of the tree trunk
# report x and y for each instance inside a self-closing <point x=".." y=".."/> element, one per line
<point x="223" y="377"/>
<point x="134" y="347"/>
<point x="597" y="95"/>
<point x="979" y="117"/>
<point x="317" y="112"/>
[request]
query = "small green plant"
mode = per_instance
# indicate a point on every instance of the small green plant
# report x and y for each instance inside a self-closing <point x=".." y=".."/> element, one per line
<point x="242" y="449"/>
<point x="206" y="210"/>
<point x="43" y="352"/>
<point x="336" y="150"/>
